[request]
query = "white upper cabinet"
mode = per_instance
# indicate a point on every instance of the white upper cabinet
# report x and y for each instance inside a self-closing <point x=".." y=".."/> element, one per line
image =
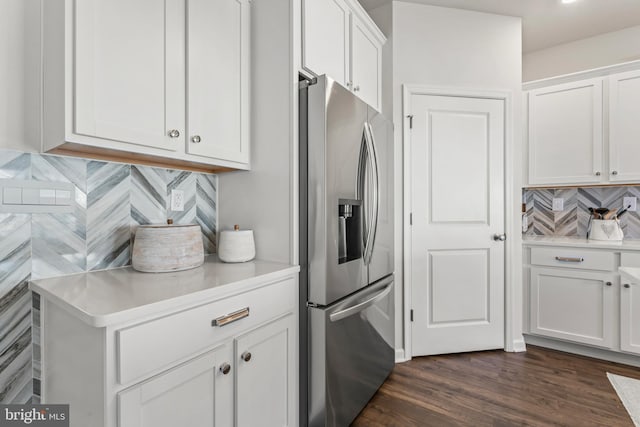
<point x="565" y="133"/>
<point x="340" y="40"/>
<point x="326" y="38"/>
<point x="624" y="126"/>
<point x="218" y="94"/>
<point x="148" y="81"/>
<point x="125" y="89"/>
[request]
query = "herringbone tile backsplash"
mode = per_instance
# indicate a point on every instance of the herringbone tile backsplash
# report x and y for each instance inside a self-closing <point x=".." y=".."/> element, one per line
<point x="111" y="199"/>
<point x="573" y="220"/>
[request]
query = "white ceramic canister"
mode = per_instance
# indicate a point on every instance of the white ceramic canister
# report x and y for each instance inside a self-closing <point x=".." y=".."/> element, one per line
<point x="164" y="248"/>
<point x="236" y="245"/>
<point x="606" y="229"/>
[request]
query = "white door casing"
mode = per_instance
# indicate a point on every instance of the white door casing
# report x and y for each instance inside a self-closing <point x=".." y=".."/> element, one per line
<point x="456" y="197"/>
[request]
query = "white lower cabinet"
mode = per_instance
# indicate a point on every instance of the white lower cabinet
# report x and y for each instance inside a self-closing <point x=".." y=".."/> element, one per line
<point x="226" y="361"/>
<point x="573" y="305"/>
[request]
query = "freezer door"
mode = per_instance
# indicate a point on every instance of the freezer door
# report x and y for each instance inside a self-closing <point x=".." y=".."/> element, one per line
<point x="351" y="354"/>
<point x="335" y="129"/>
<point x="382" y="257"/>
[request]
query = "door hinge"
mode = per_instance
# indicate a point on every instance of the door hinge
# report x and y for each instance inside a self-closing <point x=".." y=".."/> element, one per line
<point x="410" y="117"/>
<point x="411" y="315"/>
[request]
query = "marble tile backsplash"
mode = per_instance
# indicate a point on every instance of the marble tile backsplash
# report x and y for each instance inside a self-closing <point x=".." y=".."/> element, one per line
<point x="111" y="199"/>
<point x="574" y="219"/>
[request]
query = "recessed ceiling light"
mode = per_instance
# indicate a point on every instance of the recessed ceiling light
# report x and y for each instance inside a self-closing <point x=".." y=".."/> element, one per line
<point x="568" y="1"/>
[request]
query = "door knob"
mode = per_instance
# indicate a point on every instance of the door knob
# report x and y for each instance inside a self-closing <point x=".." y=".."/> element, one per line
<point x="246" y="356"/>
<point x="174" y="133"/>
<point x="225" y="368"/>
<point x="500" y="237"/>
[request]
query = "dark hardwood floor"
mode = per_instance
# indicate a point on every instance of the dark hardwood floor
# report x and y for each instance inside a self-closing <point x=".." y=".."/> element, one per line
<point x="538" y="388"/>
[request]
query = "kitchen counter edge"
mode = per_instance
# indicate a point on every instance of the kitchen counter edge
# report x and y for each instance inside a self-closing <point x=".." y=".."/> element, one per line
<point x="573" y="242"/>
<point x="164" y="306"/>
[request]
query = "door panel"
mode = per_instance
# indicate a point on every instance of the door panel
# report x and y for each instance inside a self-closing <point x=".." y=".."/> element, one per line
<point x="325" y="38"/>
<point x="382" y="258"/>
<point x="364" y="64"/>
<point x="572" y="305"/>
<point x="128" y="71"/>
<point x="336" y="130"/>
<point x="630" y="317"/>
<point x="624" y="126"/>
<point x="565" y="133"/>
<point x="217" y="62"/>
<point x="457" y="204"/>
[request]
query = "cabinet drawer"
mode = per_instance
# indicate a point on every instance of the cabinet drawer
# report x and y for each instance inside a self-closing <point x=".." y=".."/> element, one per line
<point x="156" y="345"/>
<point x="630" y="259"/>
<point x="574" y="258"/>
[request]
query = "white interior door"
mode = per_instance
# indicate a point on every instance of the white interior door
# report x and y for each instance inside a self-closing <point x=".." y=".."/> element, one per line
<point x="457" y="204"/>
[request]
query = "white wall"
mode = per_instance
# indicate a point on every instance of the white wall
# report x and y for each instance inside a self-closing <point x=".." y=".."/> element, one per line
<point x="265" y="199"/>
<point x="593" y="52"/>
<point x="462" y="49"/>
<point x="20" y="75"/>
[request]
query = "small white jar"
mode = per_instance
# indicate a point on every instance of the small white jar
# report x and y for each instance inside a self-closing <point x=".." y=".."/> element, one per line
<point x="236" y="245"/>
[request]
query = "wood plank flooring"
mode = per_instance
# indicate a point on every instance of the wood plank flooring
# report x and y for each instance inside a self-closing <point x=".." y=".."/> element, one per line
<point x="538" y="388"/>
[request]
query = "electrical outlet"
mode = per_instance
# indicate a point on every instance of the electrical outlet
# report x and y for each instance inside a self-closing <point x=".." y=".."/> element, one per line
<point x="558" y="204"/>
<point x="630" y="201"/>
<point x="177" y="200"/>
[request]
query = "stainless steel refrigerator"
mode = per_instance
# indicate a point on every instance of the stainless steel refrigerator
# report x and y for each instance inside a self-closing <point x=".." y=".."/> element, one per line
<point x="346" y="253"/>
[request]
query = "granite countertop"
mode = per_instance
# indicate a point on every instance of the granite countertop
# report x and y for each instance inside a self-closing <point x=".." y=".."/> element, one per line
<point x="110" y="297"/>
<point x="581" y="242"/>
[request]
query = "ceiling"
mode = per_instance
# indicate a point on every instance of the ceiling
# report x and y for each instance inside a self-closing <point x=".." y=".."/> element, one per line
<point x="547" y="23"/>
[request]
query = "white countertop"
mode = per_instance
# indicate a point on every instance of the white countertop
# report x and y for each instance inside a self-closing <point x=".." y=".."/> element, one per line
<point x="632" y="273"/>
<point x="110" y="297"/>
<point x="625" y="245"/>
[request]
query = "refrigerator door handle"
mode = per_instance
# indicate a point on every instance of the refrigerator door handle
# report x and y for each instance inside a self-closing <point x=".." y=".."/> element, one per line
<point x="363" y="305"/>
<point x="372" y="158"/>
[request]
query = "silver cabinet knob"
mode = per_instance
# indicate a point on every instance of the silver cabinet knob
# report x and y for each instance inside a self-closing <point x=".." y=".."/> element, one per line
<point x="174" y="133"/>
<point x="225" y="368"/>
<point x="614" y="173"/>
<point x="597" y="173"/>
<point x="246" y="356"/>
<point x="626" y="285"/>
<point x="356" y="89"/>
<point x="500" y="237"/>
<point x="196" y="139"/>
<point x="349" y="85"/>
<point x="609" y="284"/>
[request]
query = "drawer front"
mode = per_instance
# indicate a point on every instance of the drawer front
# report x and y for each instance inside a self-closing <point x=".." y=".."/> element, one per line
<point x="151" y="347"/>
<point x="574" y="258"/>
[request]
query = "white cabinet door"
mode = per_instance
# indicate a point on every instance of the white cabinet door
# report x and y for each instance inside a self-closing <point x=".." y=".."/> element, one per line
<point x="128" y="71"/>
<point x="565" y="134"/>
<point x="624" y="126"/>
<point x="325" y="38"/>
<point x="366" y="63"/>
<point x="197" y="393"/>
<point x="630" y="317"/>
<point x="265" y="378"/>
<point x="572" y="305"/>
<point x="218" y="79"/>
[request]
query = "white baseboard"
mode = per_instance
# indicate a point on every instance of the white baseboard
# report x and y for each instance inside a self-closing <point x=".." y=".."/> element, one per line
<point x="519" y="345"/>
<point x="583" y="350"/>
<point x="400" y="356"/>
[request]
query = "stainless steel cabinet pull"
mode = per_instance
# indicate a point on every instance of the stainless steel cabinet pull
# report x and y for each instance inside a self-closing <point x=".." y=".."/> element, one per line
<point x="246" y="356"/>
<point x="225" y="368"/>
<point x="230" y="318"/>
<point x="174" y="133"/>
<point x="569" y="259"/>
<point x="500" y="237"/>
<point x="627" y="286"/>
<point x="196" y="139"/>
<point x="609" y="284"/>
